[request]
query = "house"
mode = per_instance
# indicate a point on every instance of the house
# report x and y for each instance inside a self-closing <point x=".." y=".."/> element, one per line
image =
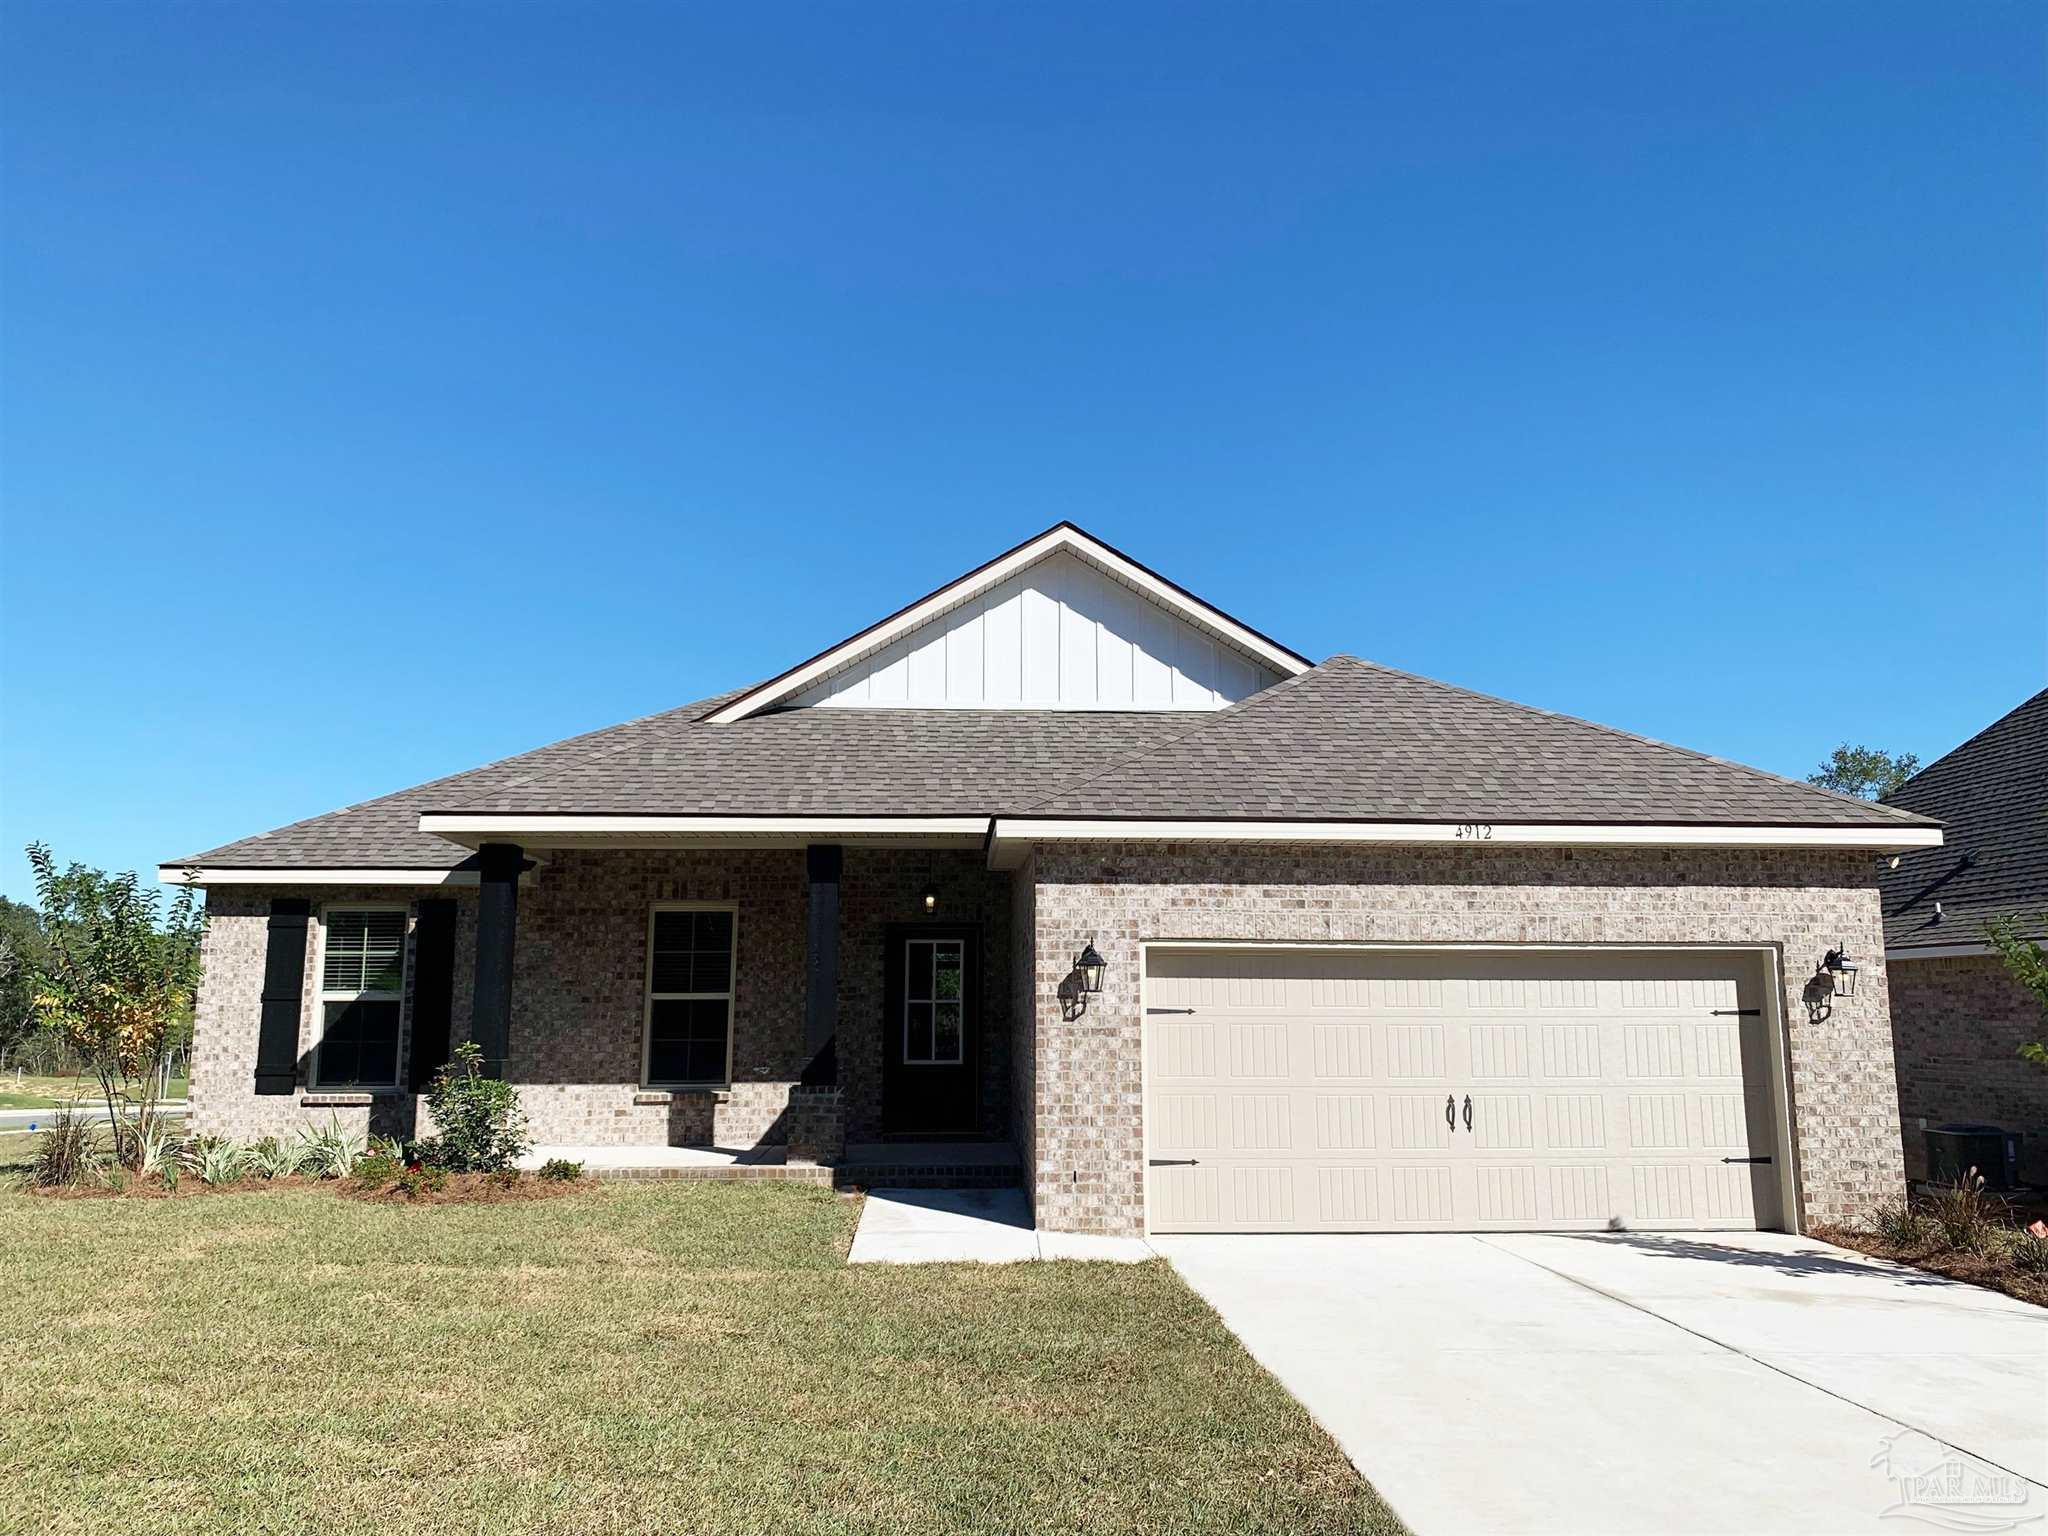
<point x="1376" y="952"/>
<point x="1958" y="1017"/>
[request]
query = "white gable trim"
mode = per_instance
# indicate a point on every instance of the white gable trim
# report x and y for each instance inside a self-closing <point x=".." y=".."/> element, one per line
<point x="1065" y="536"/>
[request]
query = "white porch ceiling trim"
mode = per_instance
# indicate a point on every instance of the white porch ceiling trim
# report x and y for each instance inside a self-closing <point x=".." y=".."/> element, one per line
<point x="1064" y="537"/>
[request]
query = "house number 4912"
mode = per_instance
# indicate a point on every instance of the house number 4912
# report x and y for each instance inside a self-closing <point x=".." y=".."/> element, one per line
<point x="1482" y="830"/>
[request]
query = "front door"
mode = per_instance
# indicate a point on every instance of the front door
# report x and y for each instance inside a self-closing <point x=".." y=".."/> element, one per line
<point x="931" y="1029"/>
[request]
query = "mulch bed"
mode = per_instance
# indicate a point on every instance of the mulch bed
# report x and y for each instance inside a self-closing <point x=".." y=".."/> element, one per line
<point x="461" y="1189"/>
<point x="1994" y="1272"/>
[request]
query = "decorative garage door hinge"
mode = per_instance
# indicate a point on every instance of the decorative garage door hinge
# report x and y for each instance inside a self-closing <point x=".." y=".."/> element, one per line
<point x="1169" y="1010"/>
<point x="1738" y="1013"/>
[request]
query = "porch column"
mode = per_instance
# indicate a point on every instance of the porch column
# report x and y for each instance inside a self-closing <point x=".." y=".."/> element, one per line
<point x="497" y="919"/>
<point x="822" y="862"/>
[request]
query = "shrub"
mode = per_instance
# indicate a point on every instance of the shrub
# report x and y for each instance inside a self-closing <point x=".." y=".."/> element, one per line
<point x="217" y="1161"/>
<point x="275" y="1157"/>
<point x="1901" y="1225"/>
<point x="70" y="1151"/>
<point x="421" y="1180"/>
<point x="483" y="1128"/>
<point x="504" y="1178"/>
<point x="156" y="1145"/>
<point x="377" y="1168"/>
<point x="1964" y="1215"/>
<point x="331" y="1151"/>
<point x="2030" y="1251"/>
<point x="561" y="1169"/>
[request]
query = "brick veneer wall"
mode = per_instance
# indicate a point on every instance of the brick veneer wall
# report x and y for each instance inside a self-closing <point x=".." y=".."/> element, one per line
<point x="579" y="970"/>
<point x="1087" y="1145"/>
<point x="1957" y="1025"/>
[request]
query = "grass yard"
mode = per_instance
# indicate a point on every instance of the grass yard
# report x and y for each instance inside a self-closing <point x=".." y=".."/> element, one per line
<point x="28" y="1092"/>
<point x="676" y="1358"/>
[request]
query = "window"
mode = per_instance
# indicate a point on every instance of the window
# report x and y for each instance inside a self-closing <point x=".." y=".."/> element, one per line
<point x="362" y="990"/>
<point x="689" y="996"/>
<point x="932" y="1002"/>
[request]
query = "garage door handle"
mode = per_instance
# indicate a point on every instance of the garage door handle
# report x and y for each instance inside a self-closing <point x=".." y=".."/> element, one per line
<point x="1172" y="1162"/>
<point x="1451" y="1110"/>
<point x="1468" y="1111"/>
<point x="1745" y="1159"/>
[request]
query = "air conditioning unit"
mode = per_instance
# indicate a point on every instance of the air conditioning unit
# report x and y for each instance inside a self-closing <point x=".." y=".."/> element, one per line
<point x="1953" y="1150"/>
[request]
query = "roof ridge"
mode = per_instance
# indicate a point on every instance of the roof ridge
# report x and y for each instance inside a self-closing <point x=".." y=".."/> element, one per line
<point x="1634" y="736"/>
<point x="1207" y="719"/>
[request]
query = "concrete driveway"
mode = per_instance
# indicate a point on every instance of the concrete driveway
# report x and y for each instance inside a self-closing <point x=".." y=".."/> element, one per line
<point x="1638" y="1383"/>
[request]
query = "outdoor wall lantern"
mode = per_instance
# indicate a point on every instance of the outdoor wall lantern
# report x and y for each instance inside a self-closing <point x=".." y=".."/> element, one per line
<point x="931" y="899"/>
<point x="1091" y="966"/>
<point x="1842" y="970"/>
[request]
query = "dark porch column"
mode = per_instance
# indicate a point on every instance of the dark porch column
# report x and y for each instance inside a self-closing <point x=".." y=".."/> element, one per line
<point x="497" y="919"/>
<point x="822" y="863"/>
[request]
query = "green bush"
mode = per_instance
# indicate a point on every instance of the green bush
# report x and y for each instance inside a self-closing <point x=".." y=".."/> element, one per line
<point x="425" y="1180"/>
<point x="70" y="1151"/>
<point x="2030" y="1252"/>
<point x="276" y="1157"/>
<point x="1966" y="1217"/>
<point x="482" y="1126"/>
<point x="217" y="1161"/>
<point x="331" y="1151"/>
<point x="561" y="1169"/>
<point x="377" y="1169"/>
<point x="1901" y="1225"/>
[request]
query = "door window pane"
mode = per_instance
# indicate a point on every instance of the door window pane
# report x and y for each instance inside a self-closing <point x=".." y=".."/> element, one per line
<point x="933" y="1002"/>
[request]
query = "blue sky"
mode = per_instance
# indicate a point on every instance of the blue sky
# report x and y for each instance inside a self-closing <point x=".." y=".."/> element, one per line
<point x="389" y="388"/>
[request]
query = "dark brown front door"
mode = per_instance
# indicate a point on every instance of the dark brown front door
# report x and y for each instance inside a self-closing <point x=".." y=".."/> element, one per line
<point x="931" y="1029"/>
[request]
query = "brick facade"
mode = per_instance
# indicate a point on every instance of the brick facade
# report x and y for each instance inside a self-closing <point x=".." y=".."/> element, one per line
<point x="1086" y="1145"/>
<point x="1957" y="1025"/>
<point x="578" y="978"/>
<point x="1070" y="1092"/>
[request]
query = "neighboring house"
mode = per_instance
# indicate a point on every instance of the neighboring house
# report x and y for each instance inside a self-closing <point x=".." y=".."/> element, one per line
<point x="1958" y="1017"/>
<point x="1379" y="953"/>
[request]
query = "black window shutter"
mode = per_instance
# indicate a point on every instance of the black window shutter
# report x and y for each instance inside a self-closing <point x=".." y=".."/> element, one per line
<point x="433" y="990"/>
<point x="284" y="980"/>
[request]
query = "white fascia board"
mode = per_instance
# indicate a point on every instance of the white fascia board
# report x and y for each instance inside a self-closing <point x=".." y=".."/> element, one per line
<point x="1937" y="952"/>
<point x="514" y="825"/>
<point x="1010" y="836"/>
<point x="845" y="654"/>
<point x="182" y="874"/>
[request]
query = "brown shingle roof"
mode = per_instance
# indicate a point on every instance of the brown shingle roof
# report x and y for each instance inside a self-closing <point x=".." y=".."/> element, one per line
<point x="1347" y="740"/>
<point x="1992" y="793"/>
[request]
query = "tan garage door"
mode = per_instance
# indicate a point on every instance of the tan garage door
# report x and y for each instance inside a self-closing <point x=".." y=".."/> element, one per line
<point x="1380" y="1090"/>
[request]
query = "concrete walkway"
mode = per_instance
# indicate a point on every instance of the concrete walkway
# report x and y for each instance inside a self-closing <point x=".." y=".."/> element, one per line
<point x="1628" y="1383"/>
<point x="970" y="1226"/>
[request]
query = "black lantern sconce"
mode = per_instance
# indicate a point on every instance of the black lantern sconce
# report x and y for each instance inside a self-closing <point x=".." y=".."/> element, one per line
<point x="1082" y="982"/>
<point x="1091" y="966"/>
<point x="1841" y="970"/>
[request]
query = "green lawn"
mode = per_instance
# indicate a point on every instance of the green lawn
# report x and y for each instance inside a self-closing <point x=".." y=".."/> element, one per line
<point x="26" y="1092"/>
<point x="674" y="1358"/>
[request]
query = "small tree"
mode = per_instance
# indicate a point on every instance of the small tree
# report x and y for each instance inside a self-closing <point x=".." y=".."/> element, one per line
<point x="115" y="982"/>
<point x="481" y="1124"/>
<point x="2028" y="963"/>
<point x="1866" y="772"/>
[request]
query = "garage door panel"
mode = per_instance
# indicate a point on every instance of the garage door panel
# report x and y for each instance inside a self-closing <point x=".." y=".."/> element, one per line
<point x="1374" y="1090"/>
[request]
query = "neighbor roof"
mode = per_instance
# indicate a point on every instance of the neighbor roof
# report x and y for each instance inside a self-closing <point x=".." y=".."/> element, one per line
<point x="1344" y="741"/>
<point x="1992" y="793"/>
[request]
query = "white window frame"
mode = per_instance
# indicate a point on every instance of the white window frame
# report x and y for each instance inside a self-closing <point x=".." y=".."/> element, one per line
<point x="649" y="997"/>
<point x="322" y="997"/>
<point x="959" y="1056"/>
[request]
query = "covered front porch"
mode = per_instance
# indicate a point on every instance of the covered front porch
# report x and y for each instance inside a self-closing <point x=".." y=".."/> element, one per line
<point x="745" y="1006"/>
